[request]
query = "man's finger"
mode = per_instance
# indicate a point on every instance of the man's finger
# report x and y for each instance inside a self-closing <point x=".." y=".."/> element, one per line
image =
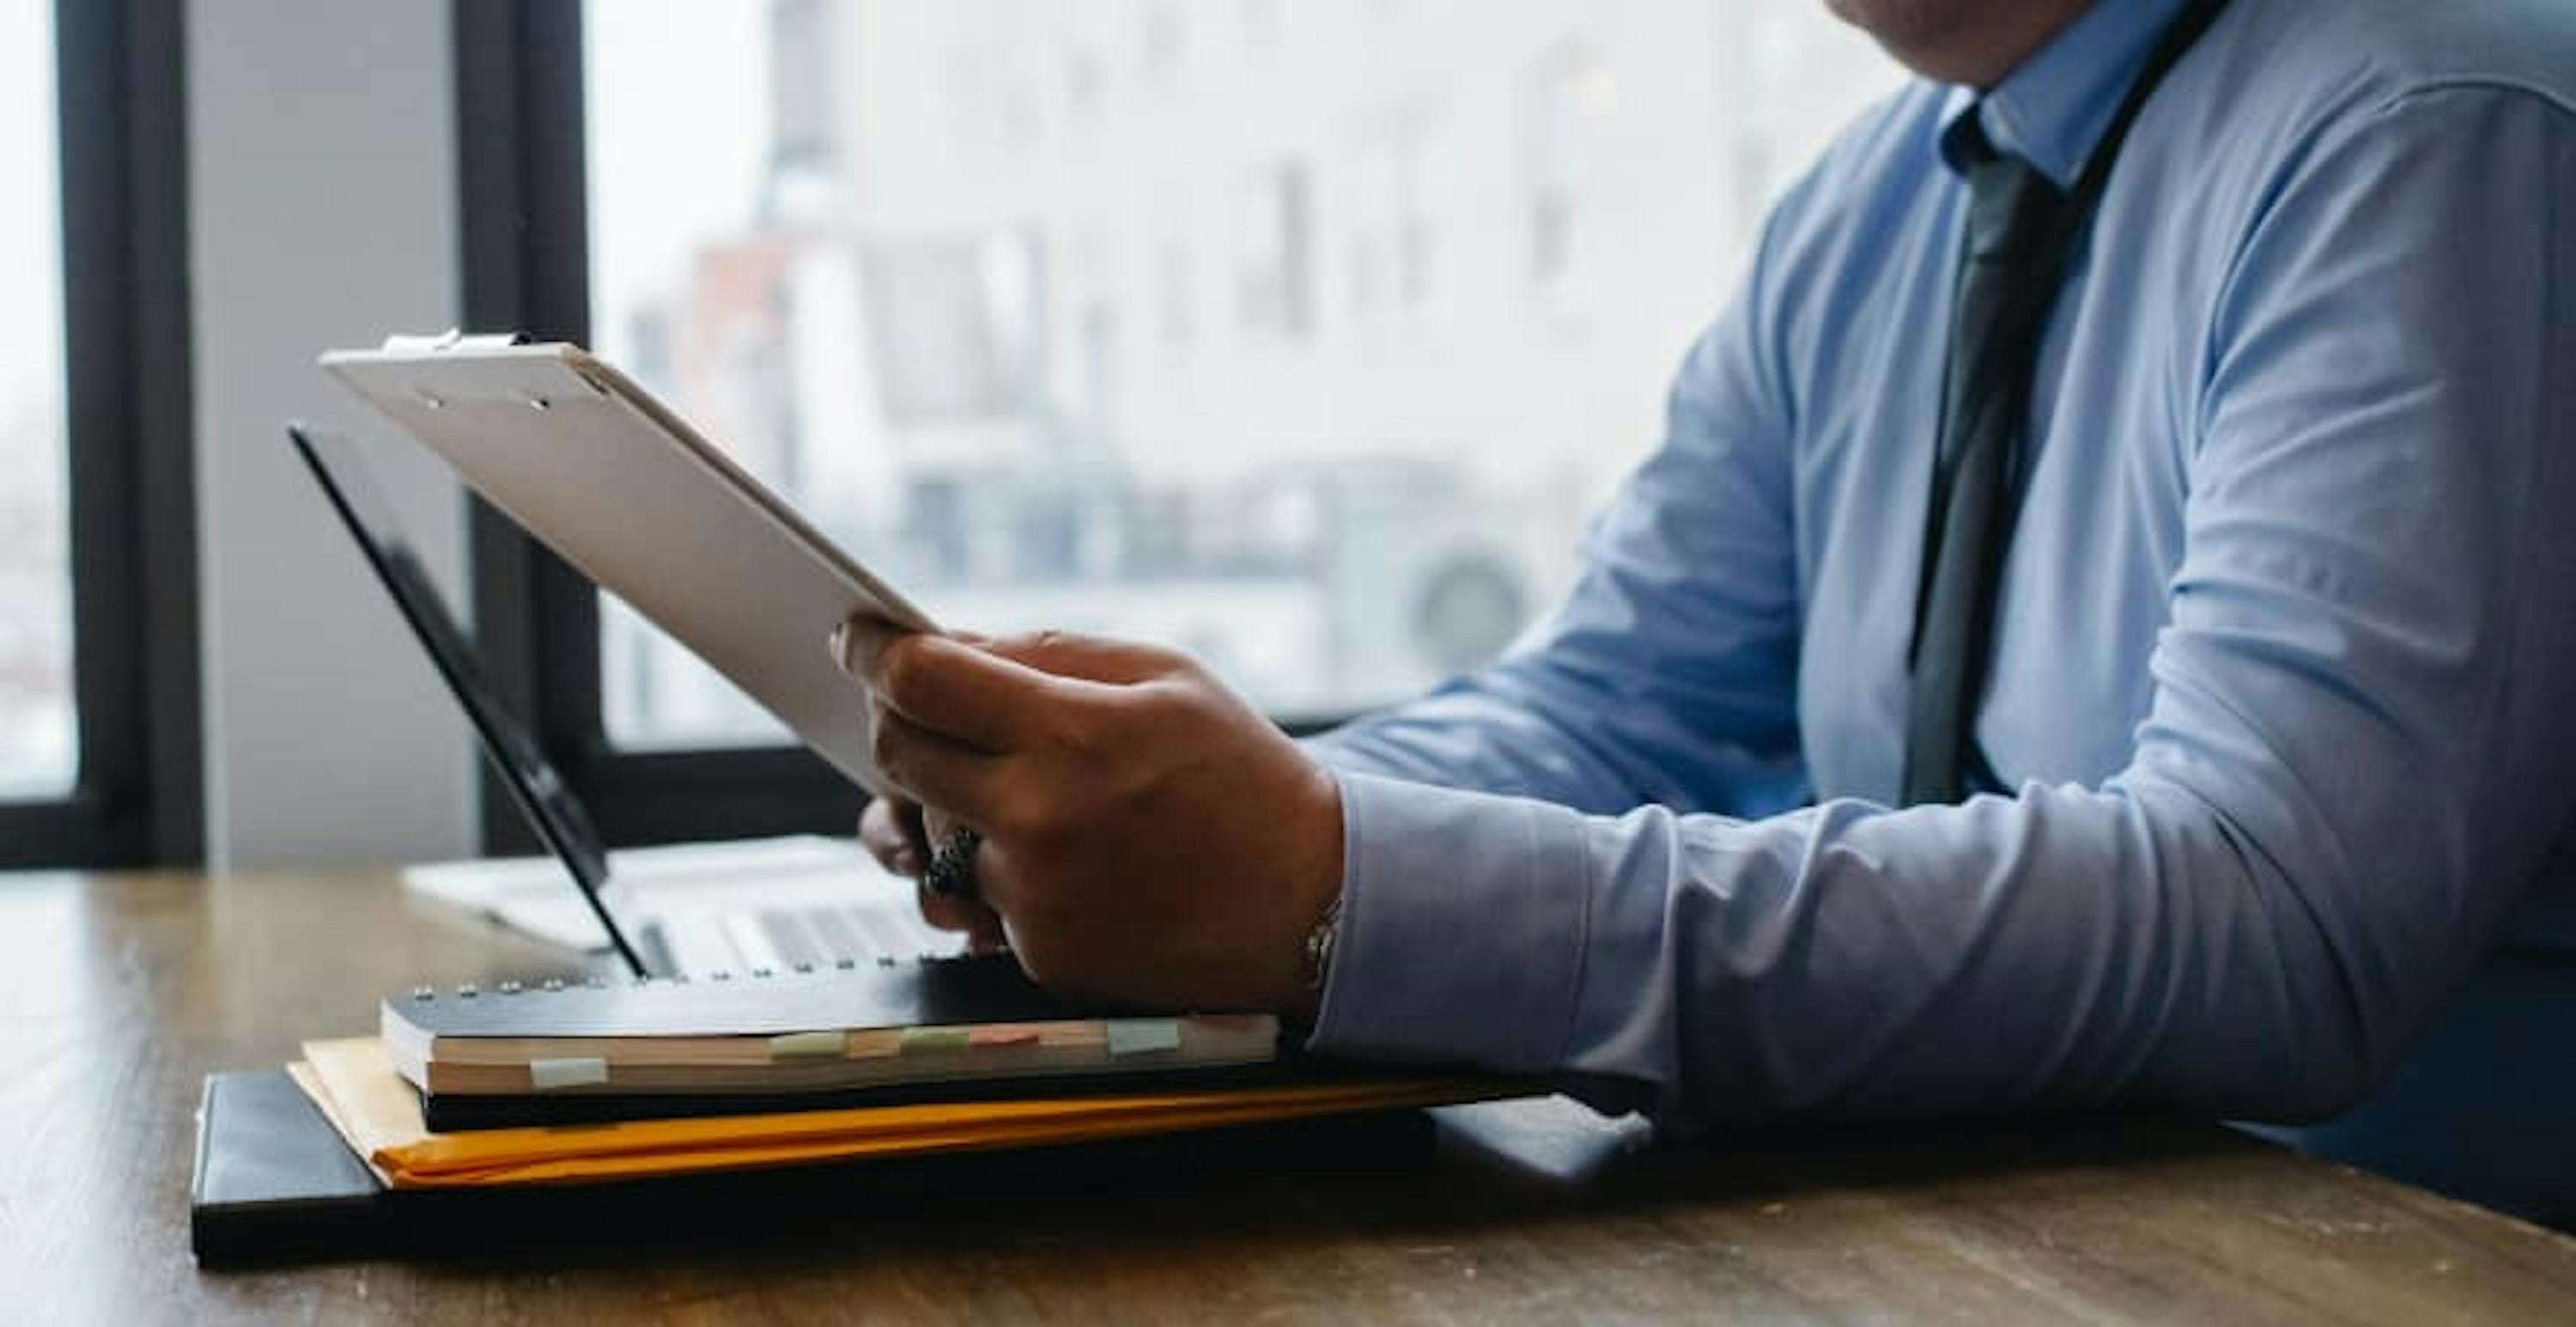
<point x="933" y="768"/>
<point x="947" y="685"/>
<point x="949" y="913"/>
<point x="1090" y="658"/>
<point x="890" y="829"/>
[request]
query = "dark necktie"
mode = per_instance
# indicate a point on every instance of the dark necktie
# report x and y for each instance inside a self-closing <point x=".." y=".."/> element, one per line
<point x="2020" y="229"/>
<point x="2012" y="260"/>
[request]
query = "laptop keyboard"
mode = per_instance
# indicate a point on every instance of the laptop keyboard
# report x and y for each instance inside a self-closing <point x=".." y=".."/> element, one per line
<point x="788" y="938"/>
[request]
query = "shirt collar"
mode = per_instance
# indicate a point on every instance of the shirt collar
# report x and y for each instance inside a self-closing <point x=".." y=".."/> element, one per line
<point x="2052" y="108"/>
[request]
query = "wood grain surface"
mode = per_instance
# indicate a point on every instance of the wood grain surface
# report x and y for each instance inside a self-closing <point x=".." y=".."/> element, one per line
<point x="118" y="993"/>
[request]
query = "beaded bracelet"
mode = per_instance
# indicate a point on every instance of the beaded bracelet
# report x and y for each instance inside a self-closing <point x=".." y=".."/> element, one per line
<point x="1319" y="944"/>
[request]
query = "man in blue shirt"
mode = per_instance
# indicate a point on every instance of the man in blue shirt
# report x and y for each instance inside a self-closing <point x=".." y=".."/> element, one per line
<point x="2277" y="722"/>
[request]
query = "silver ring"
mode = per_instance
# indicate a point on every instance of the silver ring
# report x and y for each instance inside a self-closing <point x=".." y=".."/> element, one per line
<point x="951" y="873"/>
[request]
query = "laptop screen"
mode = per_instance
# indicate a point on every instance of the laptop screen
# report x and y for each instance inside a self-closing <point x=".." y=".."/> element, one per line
<point x="540" y="793"/>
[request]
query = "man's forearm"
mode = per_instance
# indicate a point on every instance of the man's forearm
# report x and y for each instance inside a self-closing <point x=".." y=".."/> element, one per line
<point x="2064" y="947"/>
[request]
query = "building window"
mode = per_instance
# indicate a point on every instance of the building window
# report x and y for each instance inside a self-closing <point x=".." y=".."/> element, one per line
<point x="1083" y="82"/>
<point x="1163" y="37"/>
<point x="1417" y="250"/>
<point x="1368" y="254"/>
<point x="1174" y="295"/>
<point x="1568" y="94"/>
<point x="1391" y="253"/>
<point x="1275" y="277"/>
<point x="1161" y="373"/>
<point x="1261" y="20"/>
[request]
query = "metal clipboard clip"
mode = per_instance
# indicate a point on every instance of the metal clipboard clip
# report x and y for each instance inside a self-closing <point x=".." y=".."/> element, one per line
<point x="451" y="339"/>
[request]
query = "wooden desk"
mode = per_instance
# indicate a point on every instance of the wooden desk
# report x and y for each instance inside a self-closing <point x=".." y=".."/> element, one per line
<point x="117" y="993"/>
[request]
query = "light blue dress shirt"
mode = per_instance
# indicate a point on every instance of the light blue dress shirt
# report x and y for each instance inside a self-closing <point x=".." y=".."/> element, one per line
<point x="2284" y="683"/>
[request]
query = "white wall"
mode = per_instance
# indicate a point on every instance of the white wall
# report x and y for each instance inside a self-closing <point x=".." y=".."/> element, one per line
<point x="323" y="213"/>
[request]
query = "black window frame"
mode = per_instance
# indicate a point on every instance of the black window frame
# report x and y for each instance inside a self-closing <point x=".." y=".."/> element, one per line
<point x="522" y="171"/>
<point x="121" y="125"/>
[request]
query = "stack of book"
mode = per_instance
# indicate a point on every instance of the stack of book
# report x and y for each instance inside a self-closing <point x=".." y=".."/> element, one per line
<point x="610" y="1081"/>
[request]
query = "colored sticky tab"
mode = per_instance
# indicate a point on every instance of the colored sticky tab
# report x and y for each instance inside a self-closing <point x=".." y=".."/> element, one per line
<point x="807" y="1045"/>
<point x="874" y="1043"/>
<point x="1003" y="1034"/>
<point x="547" y="1075"/>
<point x="1139" y="1036"/>
<point x="933" y="1039"/>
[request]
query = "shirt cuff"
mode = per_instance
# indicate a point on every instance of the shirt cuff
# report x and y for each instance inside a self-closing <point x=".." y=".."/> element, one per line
<point x="1464" y="924"/>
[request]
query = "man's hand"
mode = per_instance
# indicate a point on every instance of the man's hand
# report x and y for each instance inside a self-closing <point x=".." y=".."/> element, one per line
<point x="1147" y="836"/>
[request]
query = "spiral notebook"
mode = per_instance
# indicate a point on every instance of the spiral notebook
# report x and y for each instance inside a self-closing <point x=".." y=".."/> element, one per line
<point x="909" y="1028"/>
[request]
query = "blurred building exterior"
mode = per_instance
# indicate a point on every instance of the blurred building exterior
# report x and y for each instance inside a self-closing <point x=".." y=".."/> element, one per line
<point x="1299" y="334"/>
<point x="39" y="753"/>
<point x="36" y="706"/>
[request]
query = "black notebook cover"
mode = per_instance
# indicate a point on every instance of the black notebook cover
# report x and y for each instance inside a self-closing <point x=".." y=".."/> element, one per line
<point x="273" y="1178"/>
<point x="274" y="1183"/>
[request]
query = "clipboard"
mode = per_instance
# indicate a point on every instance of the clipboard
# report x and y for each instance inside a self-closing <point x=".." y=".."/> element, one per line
<point x="635" y="498"/>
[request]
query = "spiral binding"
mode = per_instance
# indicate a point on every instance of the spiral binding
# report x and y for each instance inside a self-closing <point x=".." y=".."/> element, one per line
<point x="473" y="990"/>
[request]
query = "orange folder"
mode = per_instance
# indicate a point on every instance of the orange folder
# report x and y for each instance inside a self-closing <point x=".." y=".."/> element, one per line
<point x="355" y="1085"/>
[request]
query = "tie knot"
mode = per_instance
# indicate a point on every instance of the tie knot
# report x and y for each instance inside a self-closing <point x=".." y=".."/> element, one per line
<point x="2010" y="204"/>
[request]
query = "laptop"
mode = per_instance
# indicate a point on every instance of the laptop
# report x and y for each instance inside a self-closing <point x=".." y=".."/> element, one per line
<point x="817" y="910"/>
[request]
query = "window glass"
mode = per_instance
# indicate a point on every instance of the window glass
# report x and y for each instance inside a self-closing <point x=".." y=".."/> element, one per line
<point x="1302" y="336"/>
<point x="38" y="756"/>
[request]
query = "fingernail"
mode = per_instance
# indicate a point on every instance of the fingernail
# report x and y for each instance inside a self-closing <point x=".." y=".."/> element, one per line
<point x="907" y="862"/>
<point x="840" y="646"/>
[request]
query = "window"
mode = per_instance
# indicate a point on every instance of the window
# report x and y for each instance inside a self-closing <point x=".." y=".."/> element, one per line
<point x="1261" y="22"/>
<point x="1415" y="247"/>
<point x="1275" y="278"/>
<point x="1567" y="96"/>
<point x="97" y="699"/>
<point x="1213" y="326"/>
<point x="1162" y="39"/>
<point x="1391" y="250"/>
<point x="1176" y="296"/>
